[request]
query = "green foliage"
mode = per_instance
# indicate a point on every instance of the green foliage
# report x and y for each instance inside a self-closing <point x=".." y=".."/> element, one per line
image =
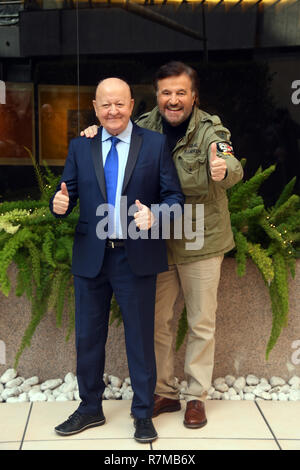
<point x="182" y="329"/>
<point x="269" y="236"/>
<point x="41" y="247"/>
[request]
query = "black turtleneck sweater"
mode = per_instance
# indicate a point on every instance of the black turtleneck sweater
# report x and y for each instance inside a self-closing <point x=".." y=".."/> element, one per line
<point x="174" y="133"/>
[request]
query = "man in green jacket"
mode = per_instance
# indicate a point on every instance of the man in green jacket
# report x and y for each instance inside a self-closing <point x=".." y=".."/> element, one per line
<point x="206" y="166"/>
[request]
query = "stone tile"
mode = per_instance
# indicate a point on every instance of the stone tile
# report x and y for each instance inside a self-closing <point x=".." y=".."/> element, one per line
<point x="13" y="418"/>
<point x="214" y="444"/>
<point x="226" y="419"/>
<point x="283" y="418"/>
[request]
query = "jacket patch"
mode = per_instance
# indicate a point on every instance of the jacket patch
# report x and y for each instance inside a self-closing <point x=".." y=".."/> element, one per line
<point x="224" y="148"/>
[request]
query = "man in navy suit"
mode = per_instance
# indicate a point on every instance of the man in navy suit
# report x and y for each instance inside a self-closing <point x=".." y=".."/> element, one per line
<point x="124" y="166"/>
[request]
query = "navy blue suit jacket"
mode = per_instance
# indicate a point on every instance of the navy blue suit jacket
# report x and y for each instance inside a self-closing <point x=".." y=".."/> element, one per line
<point x="150" y="176"/>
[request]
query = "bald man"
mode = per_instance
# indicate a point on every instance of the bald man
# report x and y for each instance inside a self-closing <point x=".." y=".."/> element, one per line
<point x="118" y="177"/>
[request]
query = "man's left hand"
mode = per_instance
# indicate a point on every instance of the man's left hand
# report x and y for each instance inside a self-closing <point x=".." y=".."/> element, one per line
<point x="217" y="165"/>
<point x="144" y="218"/>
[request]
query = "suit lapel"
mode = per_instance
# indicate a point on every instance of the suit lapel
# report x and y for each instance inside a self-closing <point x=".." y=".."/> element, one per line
<point x="96" y="149"/>
<point x="135" y="145"/>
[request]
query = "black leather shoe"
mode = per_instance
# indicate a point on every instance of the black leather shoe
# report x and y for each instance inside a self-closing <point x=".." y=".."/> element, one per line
<point x="78" y="422"/>
<point x="144" y="430"/>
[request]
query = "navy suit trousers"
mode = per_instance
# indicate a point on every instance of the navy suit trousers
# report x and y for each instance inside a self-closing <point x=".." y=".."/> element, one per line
<point x="136" y="298"/>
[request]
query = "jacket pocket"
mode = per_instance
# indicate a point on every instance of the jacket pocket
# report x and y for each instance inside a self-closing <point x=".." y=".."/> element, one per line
<point x="192" y="173"/>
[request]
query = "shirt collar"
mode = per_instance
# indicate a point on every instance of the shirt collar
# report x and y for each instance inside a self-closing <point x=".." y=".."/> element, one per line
<point x="124" y="136"/>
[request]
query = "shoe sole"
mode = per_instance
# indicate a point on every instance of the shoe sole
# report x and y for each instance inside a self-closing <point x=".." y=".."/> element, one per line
<point x="91" y="425"/>
<point x="195" y="426"/>
<point x="146" y="439"/>
<point x="166" y="409"/>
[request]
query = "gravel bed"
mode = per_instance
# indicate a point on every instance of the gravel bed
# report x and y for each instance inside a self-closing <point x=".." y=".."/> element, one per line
<point x="16" y="389"/>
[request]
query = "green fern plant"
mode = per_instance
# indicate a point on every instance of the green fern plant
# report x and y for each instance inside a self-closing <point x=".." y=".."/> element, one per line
<point x="40" y="246"/>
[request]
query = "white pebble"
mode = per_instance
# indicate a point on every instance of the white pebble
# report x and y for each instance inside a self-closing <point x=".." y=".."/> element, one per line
<point x="115" y="381"/>
<point x="265" y="387"/>
<point x="239" y="384"/>
<point x="50" y="384"/>
<point x="218" y="381"/>
<point x="108" y="394"/>
<point x="15" y="389"/>
<point x="35" y="389"/>
<point x="12" y="400"/>
<point x="285" y="389"/>
<point x="294" y="381"/>
<point x="8" y="375"/>
<point x="257" y="392"/>
<point x="249" y="396"/>
<point x="216" y="395"/>
<point x="69" y="378"/>
<point x="275" y="381"/>
<point x="62" y="397"/>
<point x="266" y="396"/>
<point x="31" y="381"/>
<point x="38" y="397"/>
<point x="275" y="389"/>
<point x="263" y="380"/>
<point x="10" y="392"/>
<point x="23" y="397"/>
<point x="229" y="380"/>
<point x="282" y="396"/>
<point x="67" y="387"/>
<point x="252" y="379"/>
<point x="222" y="387"/>
<point x="128" y="394"/>
<point x="225" y="396"/>
<point x="294" y="395"/>
<point x="105" y="378"/>
<point x="14" y="382"/>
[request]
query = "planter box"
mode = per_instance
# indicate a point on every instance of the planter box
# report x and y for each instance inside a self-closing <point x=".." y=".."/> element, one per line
<point x="244" y="321"/>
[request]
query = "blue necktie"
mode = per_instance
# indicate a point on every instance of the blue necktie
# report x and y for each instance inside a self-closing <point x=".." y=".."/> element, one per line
<point x="111" y="178"/>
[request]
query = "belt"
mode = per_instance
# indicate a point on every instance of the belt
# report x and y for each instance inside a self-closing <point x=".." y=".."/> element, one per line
<point x="114" y="243"/>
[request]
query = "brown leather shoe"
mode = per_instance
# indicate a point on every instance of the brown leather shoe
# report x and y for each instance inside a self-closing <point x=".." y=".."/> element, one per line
<point x="195" y="414"/>
<point x="164" y="405"/>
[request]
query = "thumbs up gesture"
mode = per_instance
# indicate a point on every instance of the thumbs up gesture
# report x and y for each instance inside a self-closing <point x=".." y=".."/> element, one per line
<point x="144" y="218"/>
<point x="61" y="200"/>
<point x="217" y="165"/>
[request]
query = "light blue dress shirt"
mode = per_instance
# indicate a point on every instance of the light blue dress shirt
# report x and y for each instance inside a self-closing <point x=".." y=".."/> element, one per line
<point x="123" y="151"/>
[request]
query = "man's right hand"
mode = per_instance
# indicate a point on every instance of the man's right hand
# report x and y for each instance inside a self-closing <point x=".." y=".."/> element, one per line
<point x="90" y="131"/>
<point x="61" y="200"/>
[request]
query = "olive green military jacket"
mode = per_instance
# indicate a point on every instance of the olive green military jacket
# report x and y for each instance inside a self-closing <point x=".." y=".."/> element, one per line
<point x="206" y="215"/>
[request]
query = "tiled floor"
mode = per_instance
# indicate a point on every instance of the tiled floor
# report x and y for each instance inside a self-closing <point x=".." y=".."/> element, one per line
<point x="234" y="425"/>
